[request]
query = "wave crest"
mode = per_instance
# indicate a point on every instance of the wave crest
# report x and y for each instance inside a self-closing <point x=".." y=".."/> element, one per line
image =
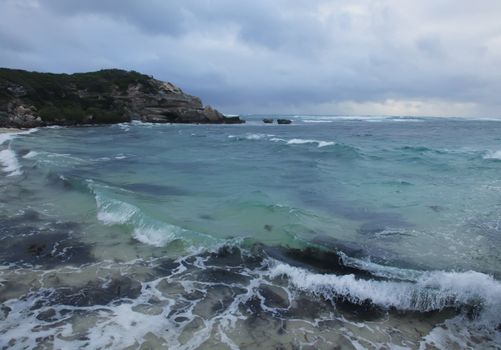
<point x="434" y="290"/>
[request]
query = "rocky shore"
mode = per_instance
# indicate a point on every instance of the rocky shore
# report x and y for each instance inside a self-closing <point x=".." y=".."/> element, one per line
<point x="31" y="99"/>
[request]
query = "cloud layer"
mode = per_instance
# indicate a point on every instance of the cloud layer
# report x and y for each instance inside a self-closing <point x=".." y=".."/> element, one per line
<point x="303" y="56"/>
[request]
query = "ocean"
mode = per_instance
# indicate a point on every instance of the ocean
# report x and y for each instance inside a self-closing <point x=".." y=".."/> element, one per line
<point x="329" y="233"/>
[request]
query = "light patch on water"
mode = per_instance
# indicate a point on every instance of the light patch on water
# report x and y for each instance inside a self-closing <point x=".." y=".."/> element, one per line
<point x="30" y="155"/>
<point x="495" y="155"/>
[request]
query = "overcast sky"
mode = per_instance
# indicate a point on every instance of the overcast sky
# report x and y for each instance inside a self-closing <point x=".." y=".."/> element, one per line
<point x="397" y="57"/>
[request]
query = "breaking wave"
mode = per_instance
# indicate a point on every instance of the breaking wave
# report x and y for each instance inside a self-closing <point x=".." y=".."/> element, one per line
<point x="147" y="230"/>
<point x="434" y="290"/>
<point x="9" y="162"/>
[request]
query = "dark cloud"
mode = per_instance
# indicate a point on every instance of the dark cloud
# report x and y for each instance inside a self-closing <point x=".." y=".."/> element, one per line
<point x="314" y="56"/>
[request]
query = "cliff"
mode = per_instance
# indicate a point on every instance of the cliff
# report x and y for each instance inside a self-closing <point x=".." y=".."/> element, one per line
<point x="31" y="99"/>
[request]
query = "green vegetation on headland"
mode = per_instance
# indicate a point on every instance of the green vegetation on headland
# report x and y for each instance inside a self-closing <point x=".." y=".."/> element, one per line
<point x="29" y="99"/>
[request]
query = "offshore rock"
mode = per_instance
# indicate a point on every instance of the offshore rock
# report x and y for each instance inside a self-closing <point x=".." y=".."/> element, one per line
<point x="31" y="99"/>
<point x="284" y="121"/>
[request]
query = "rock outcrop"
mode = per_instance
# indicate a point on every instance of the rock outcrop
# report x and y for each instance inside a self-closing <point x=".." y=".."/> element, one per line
<point x="30" y="99"/>
<point x="284" y="121"/>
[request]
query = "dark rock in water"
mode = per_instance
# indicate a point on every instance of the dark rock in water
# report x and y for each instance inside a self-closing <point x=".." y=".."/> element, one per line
<point x="225" y="256"/>
<point x="233" y="120"/>
<point x="253" y="306"/>
<point x="221" y="275"/>
<point x="365" y="311"/>
<point x="284" y="121"/>
<point x="436" y="208"/>
<point x="206" y="217"/>
<point x="268" y="227"/>
<point x="317" y="260"/>
<point x="4" y="312"/>
<point x="274" y="297"/>
<point x="267" y="121"/>
<point x="27" y="239"/>
<point x="31" y="99"/>
<point x="307" y="309"/>
<point x="98" y="293"/>
<point x="377" y="254"/>
<point x="47" y="315"/>
<point x="166" y="267"/>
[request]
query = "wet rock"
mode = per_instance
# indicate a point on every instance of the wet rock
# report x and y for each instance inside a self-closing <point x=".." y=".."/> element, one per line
<point x="226" y="256"/>
<point x="267" y="120"/>
<point x="284" y="121"/>
<point x="206" y="217"/>
<point x="181" y="319"/>
<point x="45" y="249"/>
<point x="233" y="120"/>
<point x="216" y="300"/>
<point x="97" y="293"/>
<point x="193" y="295"/>
<point x="48" y="315"/>
<point x="166" y="267"/>
<point x="253" y="306"/>
<point x="274" y="297"/>
<point x="365" y="311"/>
<point x="315" y="259"/>
<point x="4" y="312"/>
<point x="223" y="276"/>
<point x="436" y="208"/>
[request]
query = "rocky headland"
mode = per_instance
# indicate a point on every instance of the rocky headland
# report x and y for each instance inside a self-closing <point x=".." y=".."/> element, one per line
<point x="32" y="99"/>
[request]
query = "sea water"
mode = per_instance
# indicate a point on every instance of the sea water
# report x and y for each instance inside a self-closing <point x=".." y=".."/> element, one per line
<point x="331" y="232"/>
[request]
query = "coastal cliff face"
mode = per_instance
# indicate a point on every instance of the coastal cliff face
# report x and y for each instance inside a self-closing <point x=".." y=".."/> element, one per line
<point x="30" y="99"/>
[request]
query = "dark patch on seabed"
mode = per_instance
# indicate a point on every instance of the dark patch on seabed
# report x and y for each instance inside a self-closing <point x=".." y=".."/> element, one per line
<point x="30" y="240"/>
<point x="92" y="293"/>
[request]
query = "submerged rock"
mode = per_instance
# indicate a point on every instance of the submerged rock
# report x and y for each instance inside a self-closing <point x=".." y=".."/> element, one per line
<point x="31" y="99"/>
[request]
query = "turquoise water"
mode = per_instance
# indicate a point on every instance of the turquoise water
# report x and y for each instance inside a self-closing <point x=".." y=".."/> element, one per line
<point x="386" y="230"/>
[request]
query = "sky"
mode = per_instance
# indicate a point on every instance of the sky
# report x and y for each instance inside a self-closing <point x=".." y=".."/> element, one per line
<point x="353" y="57"/>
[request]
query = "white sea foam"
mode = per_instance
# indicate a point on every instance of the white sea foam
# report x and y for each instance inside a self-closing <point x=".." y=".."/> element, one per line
<point x="9" y="162"/>
<point x="317" y="121"/>
<point x="318" y="142"/>
<point x="158" y="237"/>
<point x="250" y="136"/>
<point x="494" y="155"/>
<point x="30" y="155"/>
<point x="273" y="138"/>
<point x="431" y="291"/>
<point x="4" y="137"/>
